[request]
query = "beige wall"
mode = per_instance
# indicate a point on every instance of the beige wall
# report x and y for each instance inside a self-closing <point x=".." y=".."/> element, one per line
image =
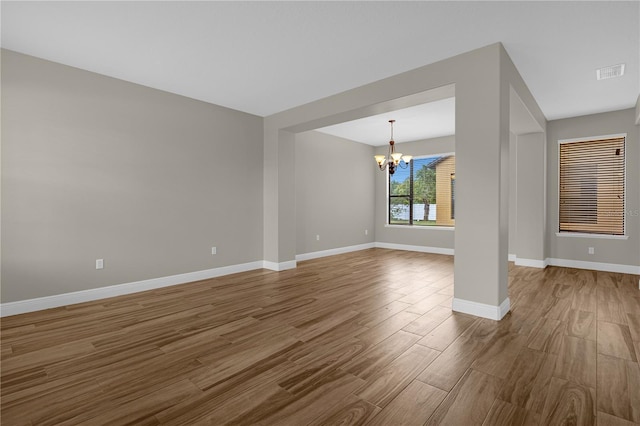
<point x="94" y="167"/>
<point x="334" y="199"/>
<point x="616" y="251"/>
<point x="513" y="193"/>
<point x="530" y="197"/>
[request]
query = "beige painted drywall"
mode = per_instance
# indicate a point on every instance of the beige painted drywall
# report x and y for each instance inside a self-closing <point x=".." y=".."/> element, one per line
<point x="530" y="205"/>
<point x="0" y="181"/>
<point x="623" y="252"/>
<point x="483" y="79"/>
<point x="513" y="194"/>
<point x="416" y="236"/>
<point x="94" y="167"/>
<point x="334" y="180"/>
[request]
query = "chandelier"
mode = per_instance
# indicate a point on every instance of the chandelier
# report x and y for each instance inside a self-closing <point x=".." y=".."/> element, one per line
<point x="393" y="159"/>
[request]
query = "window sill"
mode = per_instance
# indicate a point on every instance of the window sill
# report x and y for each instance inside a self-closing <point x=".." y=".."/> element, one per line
<point x="602" y="236"/>
<point x="438" y="228"/>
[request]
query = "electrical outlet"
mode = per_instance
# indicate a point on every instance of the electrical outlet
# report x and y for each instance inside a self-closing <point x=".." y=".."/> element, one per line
<point x="366" y="232"/>
<point x="317" y="237"/>
<point x="591" y="250"/>
<point x="214" y="250"/>
<point x="99" y="263"/>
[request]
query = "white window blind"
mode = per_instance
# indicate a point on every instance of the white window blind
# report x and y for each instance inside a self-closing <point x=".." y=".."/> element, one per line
<point x="592" y="186"/>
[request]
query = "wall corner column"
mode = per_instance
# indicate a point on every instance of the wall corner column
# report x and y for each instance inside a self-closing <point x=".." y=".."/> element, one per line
<point x="279" y="198"/>
<point x="482" y="186"/>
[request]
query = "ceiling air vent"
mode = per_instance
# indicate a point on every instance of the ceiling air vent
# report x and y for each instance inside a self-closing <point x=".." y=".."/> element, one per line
<point x="610" y="72"/>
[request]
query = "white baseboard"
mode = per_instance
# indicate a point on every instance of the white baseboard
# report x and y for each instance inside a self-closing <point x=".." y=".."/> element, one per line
<point x="531" y="263"/>
<point x="55" y="301"/>
<point x="480" y="309"/>
<point x="578" y="264"/>
<point x="332" y="252"/>
<point x="512" y="258"/>
<point x="596" y="266"/>
<point x="423" y="249"/>
<point x="282" y="266"/>
<point x="459" y="305"/>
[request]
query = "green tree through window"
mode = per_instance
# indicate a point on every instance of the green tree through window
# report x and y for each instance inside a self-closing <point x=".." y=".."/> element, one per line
<point x="413" y="192"/>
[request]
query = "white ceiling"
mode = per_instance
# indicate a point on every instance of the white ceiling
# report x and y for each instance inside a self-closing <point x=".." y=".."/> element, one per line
<point x="265" y="57"/>
<point x="424" y="121"/>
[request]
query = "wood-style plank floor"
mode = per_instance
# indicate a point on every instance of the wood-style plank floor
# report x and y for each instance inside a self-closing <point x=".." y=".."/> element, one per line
<point x="361" y="338"/>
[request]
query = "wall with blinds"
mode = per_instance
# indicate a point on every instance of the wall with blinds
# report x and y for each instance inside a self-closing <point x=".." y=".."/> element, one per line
<point x="593" y="190"/>
<point x="592" y="186"/>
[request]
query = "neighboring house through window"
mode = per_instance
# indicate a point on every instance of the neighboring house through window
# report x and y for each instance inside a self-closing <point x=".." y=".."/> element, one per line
<point x="423" y="194"/>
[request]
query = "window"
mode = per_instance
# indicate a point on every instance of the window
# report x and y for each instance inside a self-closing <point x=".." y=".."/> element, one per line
<point x="591" y="193"/>
<point x="423" y="194"/>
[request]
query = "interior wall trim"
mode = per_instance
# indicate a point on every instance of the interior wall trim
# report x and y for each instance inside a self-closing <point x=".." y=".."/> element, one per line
<point x="480" y="309"/>
<point x="531" y="263"/>
<point x="459" y="305"/>
<point x="333" y="252"/>
<point x="58" y="300"/>
<point x="423" y="249"/>
<point x="282" y="266"/>
<point x="596" y="266"/>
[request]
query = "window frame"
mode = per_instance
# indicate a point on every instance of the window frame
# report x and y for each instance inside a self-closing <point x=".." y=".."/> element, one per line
<point x="584" y="234"/>
<point x="410" y="196"/>
<point x="453" y="195"/>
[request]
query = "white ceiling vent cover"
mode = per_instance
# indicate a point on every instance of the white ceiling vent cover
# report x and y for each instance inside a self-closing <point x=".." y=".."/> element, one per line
<point x="610" y="72"/>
